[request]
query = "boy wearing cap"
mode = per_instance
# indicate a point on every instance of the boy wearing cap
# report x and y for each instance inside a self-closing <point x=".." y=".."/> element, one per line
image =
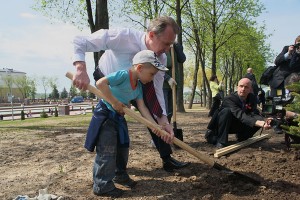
<point x="108" y="128"/>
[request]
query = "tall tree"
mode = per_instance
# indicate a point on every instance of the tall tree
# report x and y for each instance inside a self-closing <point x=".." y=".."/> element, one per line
<point x="64" y="94"/>
<point x="195" y="34"/>
<point x="224" y="19"/>
<point x="54" y="94"/>
<point x="22" y="84"/>
<point x="9" y="81"/>
<point x="46" y="84"/>
<point x="80" y="13"/>
<point x="32" y="88"/>
<point x="73" y="91"/>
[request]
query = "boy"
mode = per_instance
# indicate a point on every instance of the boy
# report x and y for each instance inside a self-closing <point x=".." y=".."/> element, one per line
<point x="108" y="128"/>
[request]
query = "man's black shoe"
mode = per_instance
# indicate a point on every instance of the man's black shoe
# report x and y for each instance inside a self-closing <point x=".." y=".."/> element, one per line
<point x="115" y="193"/>
<point x="126" y="182"/>
<point x="210" y="137"/>
<point x="169" y="164"/>
<point x="220" y="146"/>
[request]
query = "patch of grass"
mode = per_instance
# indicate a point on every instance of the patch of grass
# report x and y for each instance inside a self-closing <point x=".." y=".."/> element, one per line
<point x="46" y="123"/>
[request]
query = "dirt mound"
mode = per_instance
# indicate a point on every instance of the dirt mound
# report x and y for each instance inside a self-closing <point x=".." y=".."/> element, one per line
<point x="57" y="160"/>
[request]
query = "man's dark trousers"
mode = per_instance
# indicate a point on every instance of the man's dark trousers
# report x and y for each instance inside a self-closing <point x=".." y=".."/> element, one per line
<point x="163" y="148"/>
<point x="227" y="123"/>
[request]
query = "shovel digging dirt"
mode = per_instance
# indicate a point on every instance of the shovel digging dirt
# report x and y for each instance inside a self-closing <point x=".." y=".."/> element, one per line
<point x="176" y="141"/>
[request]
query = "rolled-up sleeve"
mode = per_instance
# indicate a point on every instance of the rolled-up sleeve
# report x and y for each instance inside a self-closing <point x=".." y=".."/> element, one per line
<point x="100" y="40"/>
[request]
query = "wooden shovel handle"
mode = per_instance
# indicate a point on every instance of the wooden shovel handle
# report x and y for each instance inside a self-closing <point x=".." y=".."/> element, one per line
<point x="150" y="125"/>
<point x="174" y="86"/>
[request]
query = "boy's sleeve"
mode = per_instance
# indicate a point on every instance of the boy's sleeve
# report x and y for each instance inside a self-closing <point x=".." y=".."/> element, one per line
<point x="116" y="78"/>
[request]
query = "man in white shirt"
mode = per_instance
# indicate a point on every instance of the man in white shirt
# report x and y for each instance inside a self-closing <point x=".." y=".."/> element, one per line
<point x="120" y="46"/>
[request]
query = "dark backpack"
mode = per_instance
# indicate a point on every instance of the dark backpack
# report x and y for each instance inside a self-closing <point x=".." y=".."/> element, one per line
<point x="267" y="75"/>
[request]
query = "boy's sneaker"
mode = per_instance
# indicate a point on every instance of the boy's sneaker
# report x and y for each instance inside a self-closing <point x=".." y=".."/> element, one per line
<point x="115" y="193"/>
<point x="125" y="181"/>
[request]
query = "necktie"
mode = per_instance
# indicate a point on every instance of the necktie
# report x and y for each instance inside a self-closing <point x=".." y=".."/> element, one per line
<point x="151" y="100"/>
<point x="244" y="105"/>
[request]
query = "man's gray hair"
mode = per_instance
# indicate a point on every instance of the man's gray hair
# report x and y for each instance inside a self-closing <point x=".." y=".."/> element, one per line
<point x="159" y="24"/>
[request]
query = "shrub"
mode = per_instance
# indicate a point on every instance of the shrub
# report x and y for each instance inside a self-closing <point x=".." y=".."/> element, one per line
<point x="22" y="115"/>
<point x="55" y="112"/>
<point x="44" y="114"/>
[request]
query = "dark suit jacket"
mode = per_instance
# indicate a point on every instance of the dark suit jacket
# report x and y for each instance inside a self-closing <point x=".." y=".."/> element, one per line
<point x="285" y="67"/>
<point x="248" y="114"/>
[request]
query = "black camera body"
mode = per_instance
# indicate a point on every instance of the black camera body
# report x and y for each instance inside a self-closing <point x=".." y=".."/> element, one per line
<point x="296" y="46"/>
<point x="274" y="108"/>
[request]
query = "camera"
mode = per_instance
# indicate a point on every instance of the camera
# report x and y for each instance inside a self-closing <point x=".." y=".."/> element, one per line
<point x="275" y="108"/>
<point x="296" y="46"/>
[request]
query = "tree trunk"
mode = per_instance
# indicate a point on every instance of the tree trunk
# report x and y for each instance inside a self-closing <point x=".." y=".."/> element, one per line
<point x="101" y="21"/>
<point x="194" y="85"/>
<point x="180" y="86"/>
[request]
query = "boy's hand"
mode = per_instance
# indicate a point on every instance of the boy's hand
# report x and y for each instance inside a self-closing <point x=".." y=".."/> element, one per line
<point x="118" y="107"/>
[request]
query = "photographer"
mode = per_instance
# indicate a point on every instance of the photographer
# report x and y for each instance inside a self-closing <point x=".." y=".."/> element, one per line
<point x="288" y="62"/>
<point x="238" y="114"/>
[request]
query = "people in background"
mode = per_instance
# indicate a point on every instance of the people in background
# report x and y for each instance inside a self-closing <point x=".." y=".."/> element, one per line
<point x="216" y="89"/>
<point x="288" y="62"/>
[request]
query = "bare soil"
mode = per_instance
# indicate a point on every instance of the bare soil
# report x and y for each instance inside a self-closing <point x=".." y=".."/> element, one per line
<point x="56" y="160"/>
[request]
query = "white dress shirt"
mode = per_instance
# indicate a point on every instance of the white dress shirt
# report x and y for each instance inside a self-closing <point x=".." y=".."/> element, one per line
<point x="120" y="46"/>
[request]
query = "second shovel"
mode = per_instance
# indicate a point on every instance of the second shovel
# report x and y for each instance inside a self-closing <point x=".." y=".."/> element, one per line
<point x="177" y="132"/>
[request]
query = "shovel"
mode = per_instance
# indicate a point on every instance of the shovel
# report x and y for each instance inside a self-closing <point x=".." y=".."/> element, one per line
<point x="176" y="141"/>
<point x="177" y="132"/>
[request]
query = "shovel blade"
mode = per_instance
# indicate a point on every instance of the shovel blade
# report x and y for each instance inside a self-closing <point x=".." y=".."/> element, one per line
<point x="178" y="134"/>
<point x="238" y="175"/>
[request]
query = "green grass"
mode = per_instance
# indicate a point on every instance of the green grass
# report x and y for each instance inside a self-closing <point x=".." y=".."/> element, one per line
<point x="47" y="123"/>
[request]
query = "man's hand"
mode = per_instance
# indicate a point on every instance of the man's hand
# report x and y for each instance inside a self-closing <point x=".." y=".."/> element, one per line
<point x="291" y="49"/>
<point x="168" y="138"/>
<point x="172" y="82"/>
<point x="81" y="79"/>
<point x="164" y="123"/>
<point x="264" y="124"/>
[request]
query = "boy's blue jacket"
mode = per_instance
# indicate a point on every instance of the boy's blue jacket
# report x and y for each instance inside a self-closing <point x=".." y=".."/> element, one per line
<point x="102" y="113"/>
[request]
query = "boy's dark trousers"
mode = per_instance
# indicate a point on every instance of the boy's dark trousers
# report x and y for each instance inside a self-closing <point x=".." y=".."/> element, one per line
<point x="105" y="161"/>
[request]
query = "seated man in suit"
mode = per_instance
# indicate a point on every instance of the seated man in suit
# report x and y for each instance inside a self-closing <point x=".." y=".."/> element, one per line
<point x="238" y="114"/>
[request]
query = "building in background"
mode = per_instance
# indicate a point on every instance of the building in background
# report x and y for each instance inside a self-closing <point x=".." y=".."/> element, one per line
<point x="9" y="90"/>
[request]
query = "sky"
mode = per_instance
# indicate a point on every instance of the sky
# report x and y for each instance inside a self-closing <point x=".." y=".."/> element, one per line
<point x="31" y="43"/>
